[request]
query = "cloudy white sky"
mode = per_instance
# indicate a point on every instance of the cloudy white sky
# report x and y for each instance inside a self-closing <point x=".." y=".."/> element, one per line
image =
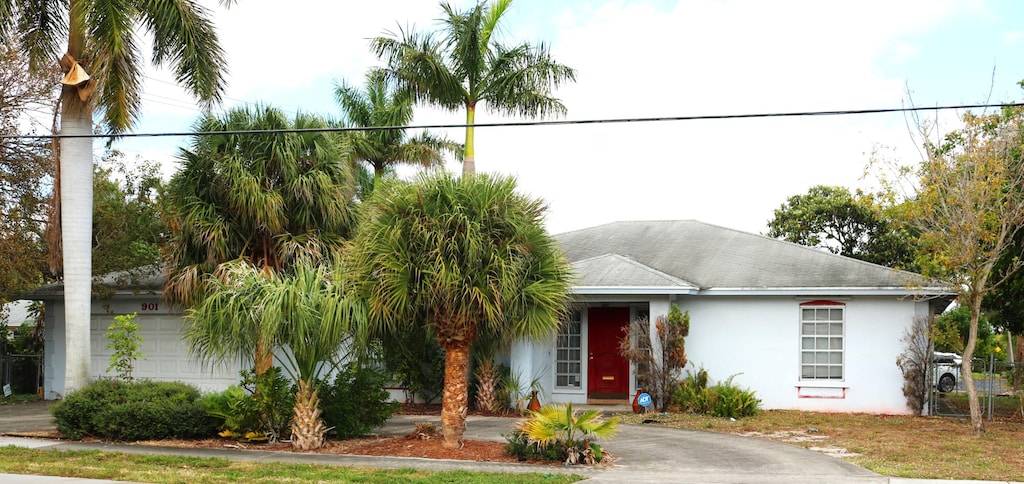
<point x="646" y="58"/>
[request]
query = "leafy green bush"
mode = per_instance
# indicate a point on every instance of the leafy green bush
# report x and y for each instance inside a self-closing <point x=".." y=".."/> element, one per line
<point x="141" y="410"/>
<point x="355" y="402"/>
<point x="724" y="399"/>
<point x="520" y="445"/>
<point x="243" y="412"/>
<point x="236" y="412"/>
<point x="567" y="431"/>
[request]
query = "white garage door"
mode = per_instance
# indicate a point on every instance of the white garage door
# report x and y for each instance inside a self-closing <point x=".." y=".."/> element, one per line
<point x="166" y="354"/>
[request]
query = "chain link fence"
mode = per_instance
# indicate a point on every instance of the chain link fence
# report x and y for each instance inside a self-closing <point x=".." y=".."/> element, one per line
<point x="999" y="385"/>
<point x="22" y="374"/>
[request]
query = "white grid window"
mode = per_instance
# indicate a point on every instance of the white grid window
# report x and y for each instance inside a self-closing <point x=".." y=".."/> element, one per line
<point x="821" y="342"/>
<point x="568" y="349"/>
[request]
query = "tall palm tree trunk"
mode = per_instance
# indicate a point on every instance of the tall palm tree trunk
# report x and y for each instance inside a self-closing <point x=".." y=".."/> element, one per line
<point x="76" y="221"/>
<point x="469" y="160"/>
<point x="76" y="236"/>
<point x="456" y="393"/>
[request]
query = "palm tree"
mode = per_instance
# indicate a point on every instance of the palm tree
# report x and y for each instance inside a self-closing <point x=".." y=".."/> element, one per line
<point x="467" y="66"/>
<point x="270" y="200"/>
<point x="471" y="255"/>
<point x="378" y="105"/>
<point x="306" y="313"/>
<point x="101" y="42"/>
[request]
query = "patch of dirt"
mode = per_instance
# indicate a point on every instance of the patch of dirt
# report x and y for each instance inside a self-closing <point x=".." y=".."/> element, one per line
<point x="416" y="444"/>
<point x="412" y="445"/>
<point x="801" y="437"/>
<point x="435" y="409"/>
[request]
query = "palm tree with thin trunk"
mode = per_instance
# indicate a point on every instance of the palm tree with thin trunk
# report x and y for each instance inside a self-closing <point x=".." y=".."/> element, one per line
<point x="307" y="313"/>
<point x="379" y="105"/>
<point x="104" y="66"/>
<point x="466" y="66"/>
<point x="471" y="255"/>
<point x="268" y="199"/>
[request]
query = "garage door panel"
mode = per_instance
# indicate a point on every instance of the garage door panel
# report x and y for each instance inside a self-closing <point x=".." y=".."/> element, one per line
<point x="166" y="354"/>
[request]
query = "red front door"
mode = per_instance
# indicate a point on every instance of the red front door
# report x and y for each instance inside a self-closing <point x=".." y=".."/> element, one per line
<point x="608" y="373"/>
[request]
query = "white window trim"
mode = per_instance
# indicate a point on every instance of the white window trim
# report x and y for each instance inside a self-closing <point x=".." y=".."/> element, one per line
<point x="814" y="381"/>
<point x="578" y="319"/>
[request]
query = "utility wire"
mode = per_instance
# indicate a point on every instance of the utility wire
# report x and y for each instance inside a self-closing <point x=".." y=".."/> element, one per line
<point x="846" y="112"/>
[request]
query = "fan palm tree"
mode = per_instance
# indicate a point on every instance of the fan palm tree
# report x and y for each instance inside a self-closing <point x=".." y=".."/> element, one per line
<point x="471" y="255"/>
<point x="305" y="312"/>
<point x="384" y="149"/>
<point x="269" y="199"/>
<point x="104" y="66"/>
<point x="466" y="66"/>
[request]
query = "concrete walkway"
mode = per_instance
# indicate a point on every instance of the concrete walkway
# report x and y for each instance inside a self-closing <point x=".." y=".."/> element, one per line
<point x="644" y="454"/>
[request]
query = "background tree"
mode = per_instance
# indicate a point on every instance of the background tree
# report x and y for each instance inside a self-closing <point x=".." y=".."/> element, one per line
<point x="101" y="42"/>
<point x="383" y="150"/>
<point x="466" y="65"/>
<point x="26" y="170"/>
<point x="269" y="200"/>
<point x="127" y="224"/>
<point x="849" y="224"/>
<point x="471" y="255"/>
<point x="306" y="311"/>
<point x="969" y="208"/>
<point x="952" y="328"/>
<point x="1005" y="306"/>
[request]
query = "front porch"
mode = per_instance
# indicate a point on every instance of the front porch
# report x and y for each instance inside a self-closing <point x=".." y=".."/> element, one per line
<point x="582" y="364"/>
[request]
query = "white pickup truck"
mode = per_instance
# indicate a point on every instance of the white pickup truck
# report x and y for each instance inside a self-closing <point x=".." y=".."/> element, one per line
<point x="947" y="370"/>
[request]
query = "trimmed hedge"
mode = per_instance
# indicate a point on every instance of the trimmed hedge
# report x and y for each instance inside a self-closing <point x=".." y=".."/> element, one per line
<point x="127" y="411"/>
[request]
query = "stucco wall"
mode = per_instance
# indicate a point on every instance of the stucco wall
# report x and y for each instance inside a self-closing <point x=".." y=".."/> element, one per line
<point x="758" y="339"/>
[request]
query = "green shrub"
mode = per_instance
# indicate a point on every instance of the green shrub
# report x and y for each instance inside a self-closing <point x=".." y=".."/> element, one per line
<point x="724" y="399"/>
<point x="568" y="431"/>
<point x="520" y="445"/>
<point x="141" y="410"/>
<point x="245" y="413"/>
<point x="355" y="402"/>
<point x="235" y="411"/>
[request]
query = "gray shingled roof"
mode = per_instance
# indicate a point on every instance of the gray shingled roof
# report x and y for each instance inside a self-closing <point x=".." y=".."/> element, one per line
<point x="686" y="252"/>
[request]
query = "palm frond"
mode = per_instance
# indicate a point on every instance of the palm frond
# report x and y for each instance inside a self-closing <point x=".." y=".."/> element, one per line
<point x="416" y="62"/>
<point x="184" y="37"/>
<point x="41" y="28"/>
<point x="470" y="251"/>
<point x="520" y="81"/>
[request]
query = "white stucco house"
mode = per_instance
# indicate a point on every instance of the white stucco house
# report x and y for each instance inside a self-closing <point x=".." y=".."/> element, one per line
<point x="804" y="328"/>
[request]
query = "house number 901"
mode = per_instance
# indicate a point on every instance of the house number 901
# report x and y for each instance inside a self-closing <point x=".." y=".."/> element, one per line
<point x="150" y="306"/>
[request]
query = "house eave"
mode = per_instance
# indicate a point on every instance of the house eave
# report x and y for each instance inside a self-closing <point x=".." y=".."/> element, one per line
<point x="633" y="290"/>
<point x="827" y="291"/>
<point x="900" y="291"/>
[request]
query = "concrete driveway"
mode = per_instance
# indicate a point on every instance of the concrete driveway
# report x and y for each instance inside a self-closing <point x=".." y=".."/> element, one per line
<point x="644" y="453"/>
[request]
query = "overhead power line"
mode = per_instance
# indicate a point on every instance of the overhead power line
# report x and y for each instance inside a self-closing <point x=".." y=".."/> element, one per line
<point x="845" y="112"/>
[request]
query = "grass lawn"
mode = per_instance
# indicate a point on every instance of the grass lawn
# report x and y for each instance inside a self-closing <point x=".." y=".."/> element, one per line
<point x="898" y="446"/>
<point x="17" y="398"/>
<point x="176" y="469"/>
